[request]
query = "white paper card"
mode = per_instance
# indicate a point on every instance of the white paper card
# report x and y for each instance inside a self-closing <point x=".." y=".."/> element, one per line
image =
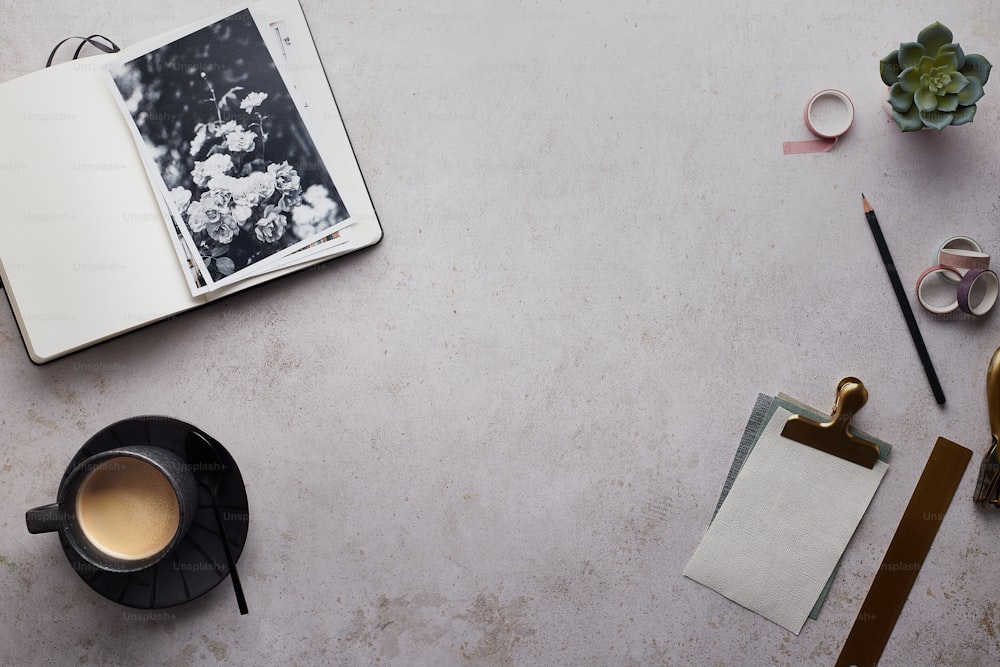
<point x="784" y="525"/>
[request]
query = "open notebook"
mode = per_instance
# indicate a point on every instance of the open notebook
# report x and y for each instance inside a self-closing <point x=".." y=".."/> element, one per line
<point x="109" y="180"/>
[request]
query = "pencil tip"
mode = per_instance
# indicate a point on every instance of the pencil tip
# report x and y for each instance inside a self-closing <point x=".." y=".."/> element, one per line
<point x="865" y="204"/>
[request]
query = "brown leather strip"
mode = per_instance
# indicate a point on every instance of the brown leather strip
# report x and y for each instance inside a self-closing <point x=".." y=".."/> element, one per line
<point x="905" y="555"/>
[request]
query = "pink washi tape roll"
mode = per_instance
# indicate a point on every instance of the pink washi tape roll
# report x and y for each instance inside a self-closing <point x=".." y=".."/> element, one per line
<point x="963" y="254"/>
<point x="924" y="299"/>
<point x="963" y="243"/>
<point x="964" y="259"/>
<point x="829" y="115"/>
<point x="978" y="291"/>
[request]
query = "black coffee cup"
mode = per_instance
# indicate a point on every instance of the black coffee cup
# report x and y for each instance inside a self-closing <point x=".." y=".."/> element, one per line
<point x="124" y="509"/>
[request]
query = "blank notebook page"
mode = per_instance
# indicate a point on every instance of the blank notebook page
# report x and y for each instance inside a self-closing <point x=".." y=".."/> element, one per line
<point x="84" y="248"/>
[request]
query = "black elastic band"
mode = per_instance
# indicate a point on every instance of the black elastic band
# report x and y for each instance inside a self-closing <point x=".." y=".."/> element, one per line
<point x="110" y="47"/>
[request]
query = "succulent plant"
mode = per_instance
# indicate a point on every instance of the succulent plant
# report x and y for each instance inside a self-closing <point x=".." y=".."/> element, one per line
<point x="932" y="82"/>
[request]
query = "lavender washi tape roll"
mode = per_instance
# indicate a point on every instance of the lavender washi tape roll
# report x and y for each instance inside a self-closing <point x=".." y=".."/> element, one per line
<point x="954" y="248"/>
<point x="927" y="302"/>
<point x="829" y="114"/>
<point x="977" y="292"/>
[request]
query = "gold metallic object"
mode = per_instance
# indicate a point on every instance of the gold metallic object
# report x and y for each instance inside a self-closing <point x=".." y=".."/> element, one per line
<point x="988" y="484"/>
<point x="833" y="437"/>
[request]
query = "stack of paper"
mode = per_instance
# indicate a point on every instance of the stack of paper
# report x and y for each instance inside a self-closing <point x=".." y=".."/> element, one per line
<point x="231" y="147"/>
<point x="786" y="516"/>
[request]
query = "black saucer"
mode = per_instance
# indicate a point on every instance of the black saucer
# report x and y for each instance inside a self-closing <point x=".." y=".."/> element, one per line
<point x="198" y="563"/>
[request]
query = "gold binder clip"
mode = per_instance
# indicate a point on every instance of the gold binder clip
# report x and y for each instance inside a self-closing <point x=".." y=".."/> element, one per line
<point x="833" y="437"/>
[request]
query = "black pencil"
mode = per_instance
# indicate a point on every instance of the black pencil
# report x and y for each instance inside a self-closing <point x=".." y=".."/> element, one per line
<point x="904" y="303"/>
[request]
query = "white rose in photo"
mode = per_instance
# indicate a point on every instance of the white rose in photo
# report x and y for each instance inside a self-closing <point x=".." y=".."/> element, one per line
<point x="223" y="185"/>
<point x="318" y="197"/>
<point x="314" y="194"/>
<point x="181" y="198"/>
<point x="286" y="179"/>
<point x="271" y="227"/>
<point x="222" y="229"/>
<point x="227" y="127"/>
<point x="240" y="142"/>
<point x="262" y="183"/>
<point x="252" y="101"/>
<point x="215" y="165"/>
<point x="196" y="218"/>
<point x="241" y="213"/>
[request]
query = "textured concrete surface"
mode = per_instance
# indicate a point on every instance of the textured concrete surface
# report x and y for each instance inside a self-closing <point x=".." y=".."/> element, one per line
<point x="497" y="438"/>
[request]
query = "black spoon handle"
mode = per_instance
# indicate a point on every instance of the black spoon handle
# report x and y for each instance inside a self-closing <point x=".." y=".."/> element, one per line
<point x="237" y="586"/>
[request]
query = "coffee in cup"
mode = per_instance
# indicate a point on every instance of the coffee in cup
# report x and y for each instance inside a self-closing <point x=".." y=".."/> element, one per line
<point x="127" y="508"/>
<point x="123" y="509"/>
